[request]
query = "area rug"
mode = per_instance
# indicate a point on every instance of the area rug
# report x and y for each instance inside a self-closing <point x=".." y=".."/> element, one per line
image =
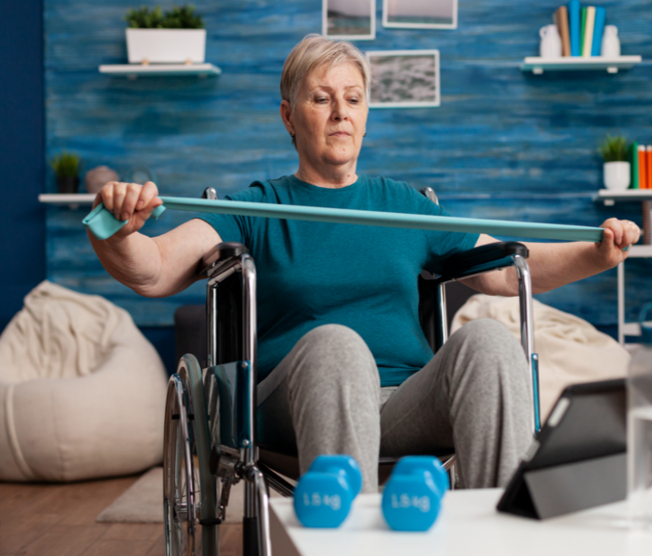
<point x="143" y="502"/>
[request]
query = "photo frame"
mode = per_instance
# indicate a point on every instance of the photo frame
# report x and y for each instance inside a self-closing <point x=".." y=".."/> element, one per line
<point x="349" y="19"/>
<point x="404" y="78"/>
<point x="420" y="14"/>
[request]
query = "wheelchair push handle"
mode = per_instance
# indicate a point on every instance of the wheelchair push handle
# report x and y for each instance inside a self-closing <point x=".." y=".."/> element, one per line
<point x="103" y="224"/>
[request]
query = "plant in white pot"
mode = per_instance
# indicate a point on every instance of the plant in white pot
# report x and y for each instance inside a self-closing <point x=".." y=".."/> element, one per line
<point x="174" y="37"/>
<point x="616" y="166"/>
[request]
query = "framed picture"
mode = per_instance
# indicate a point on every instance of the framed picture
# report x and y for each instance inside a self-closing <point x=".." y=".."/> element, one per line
<point x="404" y="78"/>
<point x="420" y="14"/>
<point x="349" y="19"/>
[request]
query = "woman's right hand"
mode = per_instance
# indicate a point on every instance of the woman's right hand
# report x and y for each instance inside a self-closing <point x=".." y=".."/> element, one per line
<point x="129" y="201"/>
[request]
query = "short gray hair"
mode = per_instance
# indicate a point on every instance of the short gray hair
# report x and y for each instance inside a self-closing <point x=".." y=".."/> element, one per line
<point x="314" y="51"/>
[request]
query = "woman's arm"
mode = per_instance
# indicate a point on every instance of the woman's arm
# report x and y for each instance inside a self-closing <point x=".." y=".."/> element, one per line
<point x="555" y="264"/>
<point x="152" y="267"/>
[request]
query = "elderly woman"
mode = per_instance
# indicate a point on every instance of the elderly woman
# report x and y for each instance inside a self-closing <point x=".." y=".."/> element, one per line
<point x="343" y="364"/>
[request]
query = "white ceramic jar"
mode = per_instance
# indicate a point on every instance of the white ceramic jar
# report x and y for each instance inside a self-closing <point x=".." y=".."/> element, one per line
<point x="610" y="47"/>
<point x="617" y="175"/>
<point x="550" y="46"/>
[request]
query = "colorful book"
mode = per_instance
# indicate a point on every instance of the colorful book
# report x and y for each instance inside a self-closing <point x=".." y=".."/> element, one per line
<point x="582" y="29"/>
<point x="598" y="29"/>
<point x="588" y="31"/>
<point x="633" y="163"/>
<point x="648" y="167"/>
<point x="561" y="20"/>
<point x="574" y="26"/>
<point x="642" y="170"/>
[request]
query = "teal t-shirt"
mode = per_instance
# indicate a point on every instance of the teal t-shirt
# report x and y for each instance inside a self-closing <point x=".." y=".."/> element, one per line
<point x="363" y="277"/>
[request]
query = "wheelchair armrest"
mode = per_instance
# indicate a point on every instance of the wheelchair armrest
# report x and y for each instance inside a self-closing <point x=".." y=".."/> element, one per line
<point x="220" y="254"/>
<point x="492" y="256"/>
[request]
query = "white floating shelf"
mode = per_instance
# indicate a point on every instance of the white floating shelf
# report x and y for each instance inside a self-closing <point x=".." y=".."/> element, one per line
<point x="538" y="65"/>
<point x="609" y="197"/>
<point x="640" y="252"/>
<point x="134" y="70"/>
<point x="72" y="199"/>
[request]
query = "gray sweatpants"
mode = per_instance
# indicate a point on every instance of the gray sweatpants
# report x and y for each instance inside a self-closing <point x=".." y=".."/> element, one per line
<point x="475" y="395"/>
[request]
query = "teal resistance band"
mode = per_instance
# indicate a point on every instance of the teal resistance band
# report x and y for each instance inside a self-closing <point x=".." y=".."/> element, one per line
<point x="103" y="224"/>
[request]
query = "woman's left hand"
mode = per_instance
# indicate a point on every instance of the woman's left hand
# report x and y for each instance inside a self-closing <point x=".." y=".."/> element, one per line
<point x="618" y="234"/>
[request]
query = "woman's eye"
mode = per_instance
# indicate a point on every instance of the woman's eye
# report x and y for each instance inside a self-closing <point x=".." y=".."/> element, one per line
<point x="354" y="100"/>
<point x="321" y="100"/>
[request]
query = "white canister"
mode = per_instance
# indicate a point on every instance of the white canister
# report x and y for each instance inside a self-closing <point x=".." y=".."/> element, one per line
<point x="550" y="46"/>
<point x="617" y="175"/>
<point x="166" y="46"/>
<point x="610" y="47"/>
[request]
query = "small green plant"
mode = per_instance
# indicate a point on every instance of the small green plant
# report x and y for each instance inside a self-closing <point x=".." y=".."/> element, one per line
<point x="66" y="165"/>
<point x="183" y="17"/>
<point x="143" y="18"/>
<point x="178" y="17"/>
<point x="614" y="149"/>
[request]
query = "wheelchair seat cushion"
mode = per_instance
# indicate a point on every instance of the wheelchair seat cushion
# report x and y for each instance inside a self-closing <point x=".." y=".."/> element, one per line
<point x="82" y="391"/>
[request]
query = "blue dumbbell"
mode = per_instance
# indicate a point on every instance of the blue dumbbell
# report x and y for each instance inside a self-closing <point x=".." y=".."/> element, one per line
<point x="412" y="496"/>
<point x="324" y="494"/>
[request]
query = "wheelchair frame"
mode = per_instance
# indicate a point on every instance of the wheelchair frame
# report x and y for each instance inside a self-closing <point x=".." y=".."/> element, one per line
<point x="210" y="437"/>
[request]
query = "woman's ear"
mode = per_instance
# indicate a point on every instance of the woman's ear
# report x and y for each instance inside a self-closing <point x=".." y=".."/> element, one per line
<point x="286" y="116"/>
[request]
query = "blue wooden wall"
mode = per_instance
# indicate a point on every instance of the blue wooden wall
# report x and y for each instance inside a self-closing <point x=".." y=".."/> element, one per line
<point x="503" y="144"/>
<point x="22" y="226"/>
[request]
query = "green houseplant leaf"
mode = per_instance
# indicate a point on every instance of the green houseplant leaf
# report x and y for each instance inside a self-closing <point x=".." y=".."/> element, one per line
<point x="614" y="149"/>
<point x="143" y="18"/>
<point x="66" y="165"/>
<point x="178" y="17"/>
<point x="183" y="17"/>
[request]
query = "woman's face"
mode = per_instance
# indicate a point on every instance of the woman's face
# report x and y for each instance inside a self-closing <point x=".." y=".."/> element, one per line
<point x="329" y="116"/>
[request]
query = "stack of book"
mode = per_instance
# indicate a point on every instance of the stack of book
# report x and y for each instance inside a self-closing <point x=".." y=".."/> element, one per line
<point x="640" y="159"/>
<point x="580" y="28"/>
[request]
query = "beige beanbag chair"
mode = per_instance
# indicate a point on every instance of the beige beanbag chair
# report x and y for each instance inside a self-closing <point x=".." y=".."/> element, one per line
<point x="82" y="392"/>
<point x="570" y="349"/>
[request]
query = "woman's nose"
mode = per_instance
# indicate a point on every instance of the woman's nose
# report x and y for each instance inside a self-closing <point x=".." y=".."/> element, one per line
<point x="340" y="111"/>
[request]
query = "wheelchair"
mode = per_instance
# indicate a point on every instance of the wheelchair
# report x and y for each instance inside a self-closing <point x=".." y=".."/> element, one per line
<point x="210" y="416"/>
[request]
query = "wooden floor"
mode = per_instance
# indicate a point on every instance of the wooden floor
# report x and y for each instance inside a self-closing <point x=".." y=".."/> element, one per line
<point x="59" y="520"/>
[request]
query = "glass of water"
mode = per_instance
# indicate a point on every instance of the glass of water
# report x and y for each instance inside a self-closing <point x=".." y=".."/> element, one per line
<point x="639" y="427"/>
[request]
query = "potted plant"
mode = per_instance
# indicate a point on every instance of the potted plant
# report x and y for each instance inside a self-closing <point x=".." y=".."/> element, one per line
<point x="174" y="37"/>
<point x="616" y="165"/>
<point x="66" y="169"/>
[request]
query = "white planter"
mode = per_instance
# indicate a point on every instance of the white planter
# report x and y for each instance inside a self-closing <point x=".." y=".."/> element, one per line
<point x="617" y="175"/>
<point x="166" y="46"/>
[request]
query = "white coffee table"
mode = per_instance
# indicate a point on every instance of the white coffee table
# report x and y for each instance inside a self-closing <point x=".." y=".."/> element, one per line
<point x="468" y="525"/>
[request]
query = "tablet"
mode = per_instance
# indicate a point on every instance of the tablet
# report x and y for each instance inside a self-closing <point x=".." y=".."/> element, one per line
<point x="578" y="460"/>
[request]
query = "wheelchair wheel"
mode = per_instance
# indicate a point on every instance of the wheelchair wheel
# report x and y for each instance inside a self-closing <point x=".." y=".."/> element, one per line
<point x="189" y="489"/>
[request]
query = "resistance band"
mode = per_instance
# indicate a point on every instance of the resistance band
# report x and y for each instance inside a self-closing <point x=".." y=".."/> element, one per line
<point x="103" y="224"/>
